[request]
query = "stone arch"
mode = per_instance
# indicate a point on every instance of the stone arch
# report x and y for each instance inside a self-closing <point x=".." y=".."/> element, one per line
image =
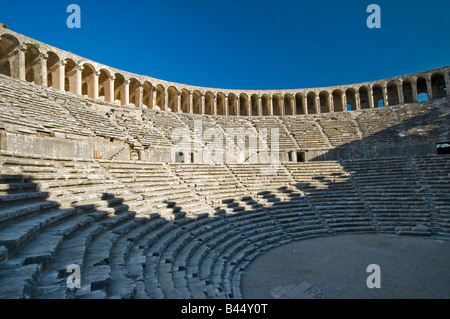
<point x="209" y="103"/>
<point x="254" y="99"/>
<point x="244" y="104"/>
<point x="185" y="95"/>
<point x="350" y="96"/>
<point x="311" y="102"/>
<point x="232" y="104"/>
<point x="9" y="63"/>
<point x="105" y="86"/>
<point x="88" y="78"/>
<point x="324" y="101"/>
<point x="408" y="93"/>
<point x="160" y="97"/>
<point x="276" y="104"/>
<point x="299" y="101"/>
<point x="134" y="89"/>
<point x="119" y="89"/>
<point x="221" y="104"/>
<point x="197" y="102"/>
<point x="438" y="86"/>
<point x="338" y="101"/>
<point x="53" y="61"/>
<point x="288" y="104"/>
<point x="70" y="76"/>
<point x="392" y="92"/>
<point x="147" y="94"/>
<point x="422" y="90"/>
<point x="364" y="98"/>
<point x="378" y="96"/>
<point x="33" y="64"/>
<point x="265" y="103"/>
<point x="172" y="99"/>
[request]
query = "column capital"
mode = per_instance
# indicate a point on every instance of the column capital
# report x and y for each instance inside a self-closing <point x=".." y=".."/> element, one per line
<point x="112" y="77"/>
<point x="23" y="47"/>
<point x="63" y="62"/>
<point x="43" y="55"/>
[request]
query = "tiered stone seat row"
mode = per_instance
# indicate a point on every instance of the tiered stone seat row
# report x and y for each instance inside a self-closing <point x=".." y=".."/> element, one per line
<point x="393" y="193"/>
<point x="285" y="139"/>
<point x="306" y="132"/>
<point x="340" y="128"/>
<point x="34" y="104"/>
<point x="435" y="174"/>
<point x="143" y="132"/>
<point x="334" y="197"/>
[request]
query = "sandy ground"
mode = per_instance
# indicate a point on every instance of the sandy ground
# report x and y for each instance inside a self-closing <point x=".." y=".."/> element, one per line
<point x="336" y="267"/>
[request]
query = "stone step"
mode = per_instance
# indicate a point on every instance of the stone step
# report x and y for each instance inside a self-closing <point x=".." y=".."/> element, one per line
<point x="7" y="201"/>
<point x="14" y="214"/>
<point x="16" y="235"/>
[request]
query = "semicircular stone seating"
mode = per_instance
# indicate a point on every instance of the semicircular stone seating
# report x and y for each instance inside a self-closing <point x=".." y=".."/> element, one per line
<point x="155" y="230"/>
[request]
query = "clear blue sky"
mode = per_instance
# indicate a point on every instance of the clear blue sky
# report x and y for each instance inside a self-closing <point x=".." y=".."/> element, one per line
<point x="282" y="44"/>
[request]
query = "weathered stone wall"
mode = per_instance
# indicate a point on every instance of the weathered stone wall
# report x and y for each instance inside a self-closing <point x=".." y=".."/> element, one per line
<point x="34" y="145"/>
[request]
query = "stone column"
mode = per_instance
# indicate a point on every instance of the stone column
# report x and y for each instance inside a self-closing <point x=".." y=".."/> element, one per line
<point x="330" y="103"/>
<point x="141" y="96"/>
<point x="294" y="105"/>
<point x="214" y="102"/>
<point x="270" y="102"/>
<point x="17" y="62"/>
<point x="153" y="97"/>
<point x="191" y="102"/>
<point x="125" y="94"/>
<point x="358" y="100"/>
<point x="344" y="101"/>
<point x="259" y="104"/>
<point x="202" y="103"/>
<point x="77" y="79"/>
<point x="238" y="106"/>
<point x="282" y="104"/>
<point x="166" y="100"/>
<point x="94" y="85"/>
<point x="401" y="98"/>
<point x="414" y="90"/>
<point x="109" y="88"/>
<point x="43" y="71"/>
<point x="58" y="75"/>
<point x="226" y="106"/>
<point x="317" y="104"/>
<point x="249" y="106"/>
<point x="429" y="90"/>
<point x="178" y="102"/>
<point x="305" y="104"/>
<point x="370" y="94"/>
<point x="74" y="77"/>
<point x="385" y="95"/>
